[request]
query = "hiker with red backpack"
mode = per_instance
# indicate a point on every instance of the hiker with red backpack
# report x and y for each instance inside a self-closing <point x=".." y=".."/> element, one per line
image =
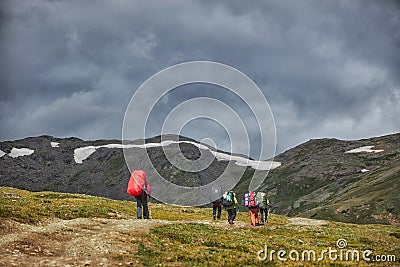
<point x="140" y="189"/>
<point x="231" y="204"/>
<point x="250" y="201"/>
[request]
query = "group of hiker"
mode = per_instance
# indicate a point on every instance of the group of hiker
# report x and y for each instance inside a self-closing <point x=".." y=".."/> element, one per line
<point x="255" y="202"/>
<point x="228" y="200"/>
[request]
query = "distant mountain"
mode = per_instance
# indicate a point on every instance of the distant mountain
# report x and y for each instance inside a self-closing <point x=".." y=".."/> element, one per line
<point x="99" y="168"/>
<point x="317" y="179"/>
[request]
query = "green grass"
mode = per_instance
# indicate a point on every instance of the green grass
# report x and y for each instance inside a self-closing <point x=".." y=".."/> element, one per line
<point x="33" y="207"/>
<point x="191" y="241"/>
<point x="205" y="245"/>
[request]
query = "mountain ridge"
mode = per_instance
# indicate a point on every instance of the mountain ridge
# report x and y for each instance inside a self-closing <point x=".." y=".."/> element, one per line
<point x="316" y="176"/>
<point x="317" y="179"/>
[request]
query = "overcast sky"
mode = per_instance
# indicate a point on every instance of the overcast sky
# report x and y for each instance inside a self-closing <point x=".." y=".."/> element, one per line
<point x="327" y="68"/>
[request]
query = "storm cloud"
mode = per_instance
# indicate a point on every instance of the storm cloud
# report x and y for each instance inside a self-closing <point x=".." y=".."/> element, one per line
<point x="327" y="68"/>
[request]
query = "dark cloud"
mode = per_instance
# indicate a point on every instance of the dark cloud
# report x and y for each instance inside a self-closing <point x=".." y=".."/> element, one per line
<point x="327" y="68"/>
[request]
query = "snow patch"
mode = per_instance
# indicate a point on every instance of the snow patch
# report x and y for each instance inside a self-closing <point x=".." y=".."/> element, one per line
<point x="19" y="152"/>
<point x="367" y="149"/>
<point x="255" y="164"/>
<point x="55" y="144"/>
<point x="2" y="153"/>
<point x="83" y="153"/>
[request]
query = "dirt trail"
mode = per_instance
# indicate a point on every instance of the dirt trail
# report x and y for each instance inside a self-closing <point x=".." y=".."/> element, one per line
<point x="78" y="242"/>
<point x="306" y="221"/>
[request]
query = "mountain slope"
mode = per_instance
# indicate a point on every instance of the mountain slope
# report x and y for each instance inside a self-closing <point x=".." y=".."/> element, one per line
<point x="319" y="179"/>
<point x="98" y="167"/>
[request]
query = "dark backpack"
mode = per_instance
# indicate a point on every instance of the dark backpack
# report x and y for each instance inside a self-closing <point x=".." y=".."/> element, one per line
<point x="228" y="200"/>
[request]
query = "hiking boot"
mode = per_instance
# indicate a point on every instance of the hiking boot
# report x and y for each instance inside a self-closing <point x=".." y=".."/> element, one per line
<point x="214" y="217"/>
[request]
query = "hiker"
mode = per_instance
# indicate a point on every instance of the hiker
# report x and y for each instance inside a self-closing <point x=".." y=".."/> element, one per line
<point x="140" y="189"/>
<point x="142" y="202"/>
<point x="216" y="201"/>
<point x="231" y="204"/>
<point x="263" y="205"/>
<point x="250" y="201"/>
<point x="217" y="206"/>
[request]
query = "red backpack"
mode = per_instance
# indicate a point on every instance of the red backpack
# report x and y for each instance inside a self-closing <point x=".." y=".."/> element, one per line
<point x="250" y="200"/>
<point x="137" y="182"/>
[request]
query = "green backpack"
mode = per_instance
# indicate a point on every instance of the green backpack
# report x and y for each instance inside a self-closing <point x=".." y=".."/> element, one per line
<point x="262" y="200"/>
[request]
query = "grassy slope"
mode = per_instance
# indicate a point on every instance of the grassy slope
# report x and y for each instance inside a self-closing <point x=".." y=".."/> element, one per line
<point x="318" y="180"/>
<point x="199" y="244"/>
<point x="374" y="199"/>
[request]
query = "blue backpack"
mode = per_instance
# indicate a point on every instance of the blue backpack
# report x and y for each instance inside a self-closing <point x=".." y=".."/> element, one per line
<point x="228" y="199"/>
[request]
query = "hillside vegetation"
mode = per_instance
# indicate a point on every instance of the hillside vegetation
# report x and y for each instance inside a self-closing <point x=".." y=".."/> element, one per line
<point x="317" y="179"/>
<point x="57" y="229"/>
